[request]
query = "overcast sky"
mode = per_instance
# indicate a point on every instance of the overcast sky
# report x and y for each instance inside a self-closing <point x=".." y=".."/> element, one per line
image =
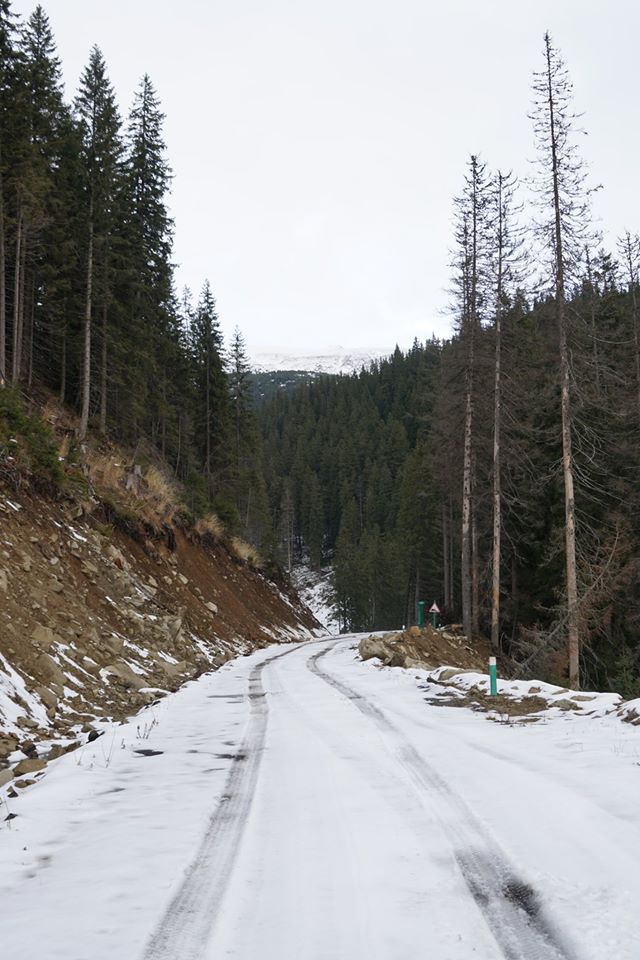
<point x="316" y="144"/>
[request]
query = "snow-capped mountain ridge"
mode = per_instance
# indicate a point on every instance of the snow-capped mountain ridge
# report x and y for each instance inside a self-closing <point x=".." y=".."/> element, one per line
<point x="322" y="360"/>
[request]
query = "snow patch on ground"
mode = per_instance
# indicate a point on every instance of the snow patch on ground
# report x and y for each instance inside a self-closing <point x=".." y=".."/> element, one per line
<point x="16" y="702"/>
<point x="589" y="703"/>
<point x="315" y="589"/>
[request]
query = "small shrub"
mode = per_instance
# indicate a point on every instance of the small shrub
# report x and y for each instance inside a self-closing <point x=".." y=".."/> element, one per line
<point x="35" y="447"/>
<point x="210" y="526"/>
<point x="105" y="469"/>
<point x="246" y="552"/>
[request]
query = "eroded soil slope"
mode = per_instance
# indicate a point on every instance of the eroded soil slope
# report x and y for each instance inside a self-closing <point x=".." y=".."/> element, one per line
<point x="95" y="622"/>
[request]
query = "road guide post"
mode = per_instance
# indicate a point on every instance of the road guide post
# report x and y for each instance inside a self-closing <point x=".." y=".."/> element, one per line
<point x="421" y="614"/>
<point x="493" y="676"/>
<point x="434" y="610"/>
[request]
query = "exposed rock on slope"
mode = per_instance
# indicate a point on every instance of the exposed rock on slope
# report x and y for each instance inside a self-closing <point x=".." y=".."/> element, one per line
<point x="424" y="649"/>
<point x="95" y="623"/>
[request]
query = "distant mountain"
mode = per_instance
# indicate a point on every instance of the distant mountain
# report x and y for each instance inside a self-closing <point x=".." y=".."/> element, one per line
<point x="333" y="360"/>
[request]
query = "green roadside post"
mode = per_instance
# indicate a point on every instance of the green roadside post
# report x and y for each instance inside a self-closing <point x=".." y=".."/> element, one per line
<point x="421" y="614"/>
<point x="434" y="610"/>
<point x="493" y="676"/>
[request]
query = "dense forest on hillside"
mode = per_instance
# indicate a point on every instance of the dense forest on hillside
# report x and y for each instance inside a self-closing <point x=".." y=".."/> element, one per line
<point x="87" y="300"/>
<point x="495" y="472"/>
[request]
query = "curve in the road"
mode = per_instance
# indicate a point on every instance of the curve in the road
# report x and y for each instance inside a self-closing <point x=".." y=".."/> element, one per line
<point x="510" y="906"/>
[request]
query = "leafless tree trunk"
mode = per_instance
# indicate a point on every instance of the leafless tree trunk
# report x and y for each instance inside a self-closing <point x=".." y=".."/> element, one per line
<point x="465" y="551"/>
<point x="497" y="422"/>
<point x="565" y="393"/>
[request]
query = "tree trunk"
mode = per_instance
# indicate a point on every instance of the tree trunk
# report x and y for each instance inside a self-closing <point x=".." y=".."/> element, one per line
<point x="567" y="455"/>
<point x="465" y="546"/>
<point x="103" y="373"/>
<point x="32" y="327"/>
<point x="63" y="359"/>
<point x="452" y="591"/>
<point x="515" y="599"/>
<point x="3" y="290"/>
<point x="475" y="578"/>
<point x="23" y="298"/>
<point x="16" y="357"/>
<point x="445" y="560"/>
<point x="497" y="415"/>
<point x="86" y="366"/>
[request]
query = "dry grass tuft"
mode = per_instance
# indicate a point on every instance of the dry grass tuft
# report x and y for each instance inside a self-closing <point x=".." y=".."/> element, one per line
<point x="211" y="526"/>
<point x="152" y="497"/>
<point x="161" y="495"/>
<point x="246" y="552"/>
<point x="105" y="469"/>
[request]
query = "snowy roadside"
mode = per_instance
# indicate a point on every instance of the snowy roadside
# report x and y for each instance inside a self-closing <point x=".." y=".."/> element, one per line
<point x="593" y="737"/>
<point x="116" y="817"/>
<point x="558" y="796"/>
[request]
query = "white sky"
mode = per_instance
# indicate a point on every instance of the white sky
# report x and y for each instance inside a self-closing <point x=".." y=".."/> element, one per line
<point x="317" y="144"/>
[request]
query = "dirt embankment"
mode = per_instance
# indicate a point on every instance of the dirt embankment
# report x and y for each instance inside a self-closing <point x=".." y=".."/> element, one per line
<point x="426" y="649"/>
<point x="96" y="621"/>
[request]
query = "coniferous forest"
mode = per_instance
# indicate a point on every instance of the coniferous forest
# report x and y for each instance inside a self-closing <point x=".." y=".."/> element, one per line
<point x="495" y="472"/>
<point x="88" y="306"/>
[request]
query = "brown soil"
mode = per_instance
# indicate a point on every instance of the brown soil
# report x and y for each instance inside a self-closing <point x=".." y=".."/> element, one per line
<point x="427" y="649"/>
<point x="98" y="621"/>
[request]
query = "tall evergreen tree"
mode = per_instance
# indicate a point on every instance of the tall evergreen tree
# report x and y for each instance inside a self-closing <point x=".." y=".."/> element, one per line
<point x="149" y="231"/>
<point x="7" y="99"/>
<point x="211" y="414"/>
<point x="101" y="148"/>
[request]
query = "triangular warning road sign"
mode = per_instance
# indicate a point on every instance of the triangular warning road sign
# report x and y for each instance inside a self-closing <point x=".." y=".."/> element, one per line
<point x="434" y="608"/>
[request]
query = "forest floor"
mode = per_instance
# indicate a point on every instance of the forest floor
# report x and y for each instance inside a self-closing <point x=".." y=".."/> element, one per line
<point x="300" y="803"/>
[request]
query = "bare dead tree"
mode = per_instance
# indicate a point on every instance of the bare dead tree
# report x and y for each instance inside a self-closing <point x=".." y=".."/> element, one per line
<point x="470" y="274"/>
<point x="562" y="203"/>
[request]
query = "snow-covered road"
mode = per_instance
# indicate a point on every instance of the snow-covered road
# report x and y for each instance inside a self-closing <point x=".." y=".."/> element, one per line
<point x="303" y="805"/>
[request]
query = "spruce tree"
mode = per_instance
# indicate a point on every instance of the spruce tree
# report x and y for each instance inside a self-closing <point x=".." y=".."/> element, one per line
<point x="47" y="224"/>
<point x="99" y="121"/>
<point x="211" y="411"/>
<point x="7" y="94"/>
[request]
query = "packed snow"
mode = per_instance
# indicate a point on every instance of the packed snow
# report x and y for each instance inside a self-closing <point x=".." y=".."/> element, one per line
<point x="299" y="804"/>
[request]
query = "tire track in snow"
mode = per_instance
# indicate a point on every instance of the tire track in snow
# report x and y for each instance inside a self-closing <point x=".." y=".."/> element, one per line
<point x="185" y="927"/>
<point x="510" y="906"/>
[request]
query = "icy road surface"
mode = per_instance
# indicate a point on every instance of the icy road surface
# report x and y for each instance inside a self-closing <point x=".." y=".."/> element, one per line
<point x="301" y="805"/>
